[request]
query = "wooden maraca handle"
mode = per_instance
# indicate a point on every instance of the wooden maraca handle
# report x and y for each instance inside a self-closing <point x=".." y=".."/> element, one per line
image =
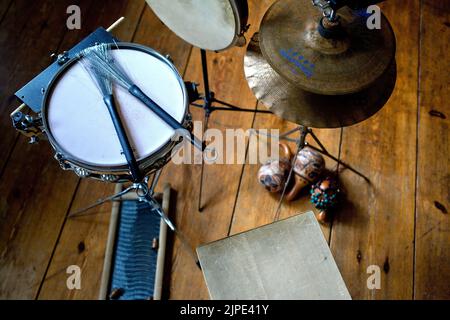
<point x="322" y="217"/>
<point x="285" y="151"/>
<point x="299" y="185"/>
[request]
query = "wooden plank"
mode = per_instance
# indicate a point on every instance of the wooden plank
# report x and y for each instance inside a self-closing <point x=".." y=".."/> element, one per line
<point x="30" y="222"/>
<point x="83" y="239"/>
<point x="376" y="226"/>
<point x="432" y="267"/>
<point x="221" y="182"/>
<point x="24" y="55"/>
<point x="4" y="6"/>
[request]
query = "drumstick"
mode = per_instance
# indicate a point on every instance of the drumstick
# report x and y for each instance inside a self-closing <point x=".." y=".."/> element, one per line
<point x="110" y="69"/>
<point x="104" y="84"/>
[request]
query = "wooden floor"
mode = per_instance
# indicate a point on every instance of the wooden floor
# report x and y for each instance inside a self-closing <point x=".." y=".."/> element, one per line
<point x="400" y="222"/>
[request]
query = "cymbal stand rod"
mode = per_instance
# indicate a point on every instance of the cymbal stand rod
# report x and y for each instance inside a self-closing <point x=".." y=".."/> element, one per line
<point x="202" y="173"/>
<point x="147" y="198"/>
<point x="321" y="148"/>
<point x="114" y="197"/>
<point x="205" y="75"/>
<point x="301" y="143"/>
<point x="155" y="181"/>
<point x="327" y="154"/>
<point x="208" y="108"/>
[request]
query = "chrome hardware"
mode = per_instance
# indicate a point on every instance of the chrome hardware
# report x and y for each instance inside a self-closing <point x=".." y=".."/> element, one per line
<point x="63" y="58"/>
<point x="109" y="178"/>
<point x="326" y="7"/>
<point x="27" y="125"/>
<point x="82" y="173"/>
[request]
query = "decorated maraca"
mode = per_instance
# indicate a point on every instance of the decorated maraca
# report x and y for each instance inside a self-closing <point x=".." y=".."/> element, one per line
<point x="325" y="196"/>
<point x="273" y="175"/>
<point x="308" y="168"/>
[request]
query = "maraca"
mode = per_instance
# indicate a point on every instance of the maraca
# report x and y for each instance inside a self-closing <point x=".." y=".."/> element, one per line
<point x="324" y="196"/>
<point x="308" y="168"/>
<point x="273" y="175"/>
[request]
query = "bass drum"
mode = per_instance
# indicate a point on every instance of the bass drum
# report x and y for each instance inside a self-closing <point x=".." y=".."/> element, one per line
<point x="213" y="25"/>
<point x="79" y="126"/>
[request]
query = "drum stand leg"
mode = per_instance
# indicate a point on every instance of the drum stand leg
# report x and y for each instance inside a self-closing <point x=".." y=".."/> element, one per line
<point x="202" y="174"/>
<point x="301" y="143"/>
<point x="144" y="194"/>
<point x="211" y="104"/>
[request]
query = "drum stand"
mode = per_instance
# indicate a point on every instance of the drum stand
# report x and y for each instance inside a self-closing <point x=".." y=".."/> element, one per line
<point x="208" y="100"/>
<point x="144" y="194"/>
<point x="301" y="144"/>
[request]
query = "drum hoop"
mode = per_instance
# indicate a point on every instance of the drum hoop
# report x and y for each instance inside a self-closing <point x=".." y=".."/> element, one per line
<point x="240" y="12"/>
<point x="160" y="153"/>
<point x="240" y="9"/>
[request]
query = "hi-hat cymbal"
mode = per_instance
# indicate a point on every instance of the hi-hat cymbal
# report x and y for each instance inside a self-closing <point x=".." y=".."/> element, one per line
<point x="314" y="110"/>
<point x="293" y="46"/>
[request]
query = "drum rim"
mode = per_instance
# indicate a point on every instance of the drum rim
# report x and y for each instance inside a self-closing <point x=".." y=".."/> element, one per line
<point x="68" y="157"/>
<point x="241" y="12"/>
<point x="240" y="8"/>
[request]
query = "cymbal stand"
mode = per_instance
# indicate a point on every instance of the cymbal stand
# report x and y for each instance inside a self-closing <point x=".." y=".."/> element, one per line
<point x="301" y="144"/>
<point x="209" y="106"/>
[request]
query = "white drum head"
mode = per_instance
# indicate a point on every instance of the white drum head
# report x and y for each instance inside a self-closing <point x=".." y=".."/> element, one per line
<point x="207" y="24"/>
<point x="80" y="124"/>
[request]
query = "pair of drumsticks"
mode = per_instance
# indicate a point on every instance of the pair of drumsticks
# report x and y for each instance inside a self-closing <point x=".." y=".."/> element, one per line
<point x="105" y="71"/>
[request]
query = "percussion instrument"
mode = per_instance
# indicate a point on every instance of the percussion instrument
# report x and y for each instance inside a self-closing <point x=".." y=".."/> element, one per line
<point x="135" y="251"/>
<point x="317" y="81"/>
<point x="80" y="129"/>
<point x="213" y="25"/>
<point x="325" y="196"/>
<point x="87" y="120"/>
<point x="273" y="175"/>
<point x="309" y="165"/>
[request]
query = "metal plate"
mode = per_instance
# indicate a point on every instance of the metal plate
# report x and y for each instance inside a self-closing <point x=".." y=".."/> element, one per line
<point x="33" y="94"/>
<point x="286" y="260"/>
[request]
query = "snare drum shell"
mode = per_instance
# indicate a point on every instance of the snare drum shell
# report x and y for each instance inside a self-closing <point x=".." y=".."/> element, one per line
<point x="117" y="169"/>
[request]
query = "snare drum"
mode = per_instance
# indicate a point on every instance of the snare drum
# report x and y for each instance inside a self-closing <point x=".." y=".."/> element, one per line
<point x="79" y="127"/>
<point x="211" y="25"/>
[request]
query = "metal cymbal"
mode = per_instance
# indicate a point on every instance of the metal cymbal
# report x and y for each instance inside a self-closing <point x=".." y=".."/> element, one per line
<point x="314" y="110"/>
<point x="293" y="46"/>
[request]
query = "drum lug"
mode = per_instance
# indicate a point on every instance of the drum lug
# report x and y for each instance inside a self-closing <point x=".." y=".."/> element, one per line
<point x="168" y="57"/>
<point x="33" y="140"/>
<point x="62" y="162"/>
<point x="241" y="41"/>
<point x="109" y="178"/>
<point x="82" y="173"/>
<point x="63" y="58"/>
<point x="27" y="125"/>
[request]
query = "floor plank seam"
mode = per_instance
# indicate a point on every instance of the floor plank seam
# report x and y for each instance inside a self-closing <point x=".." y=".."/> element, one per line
<point x="242" y="174"/>
<point x="338" y="167"/>
<point x="55" y="247"/>
<point x="419" y="69"/>
<point x="141" y="16"/>
<point x="6" y="11"/>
